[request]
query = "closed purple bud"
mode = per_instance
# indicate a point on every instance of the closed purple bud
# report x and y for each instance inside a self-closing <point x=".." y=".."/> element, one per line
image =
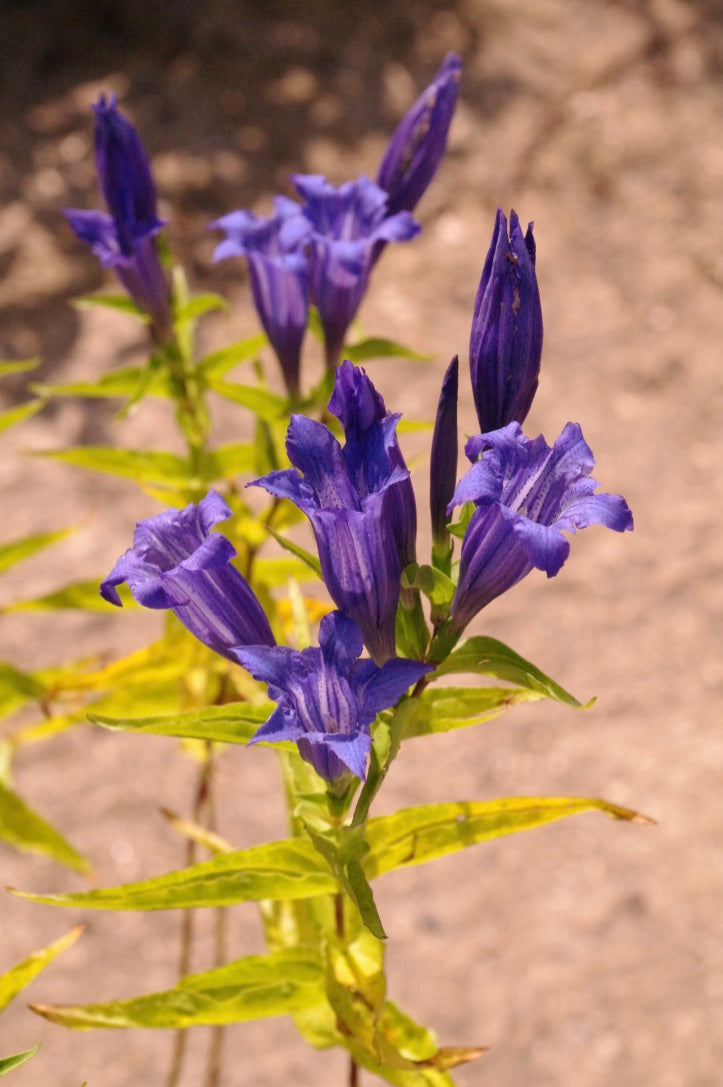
<point x="278" y="269"/>
<point x="347" y="225"/>
<point x="327" y="698"/>
<point x="176" y="562"/>
<point x="359" y="501"/>
<point x="124" y="240"/>
<point x="506" y="339"/>
<point x="526" y="494"/>
<point x="419" y="142"/>
<point x="124" y="174"/>
<point x="443" y="465"/>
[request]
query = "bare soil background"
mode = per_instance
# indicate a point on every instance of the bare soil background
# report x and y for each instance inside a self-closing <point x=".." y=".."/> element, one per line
<point x="588" y="952"/>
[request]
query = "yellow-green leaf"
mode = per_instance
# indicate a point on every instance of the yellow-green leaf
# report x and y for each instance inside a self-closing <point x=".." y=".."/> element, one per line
<point x="292" y="868"/>
<point x="19" y="413"/>
<point x="266" y="405"/>
<point x="218" y="363"/>
<point x="255" y="987"/>
<point x="285" y="869"/>
<point x="377" y="347"/>
<point x="119" y="302"/>
<point x="8" y="1063"/>
<point x="416" y="835"/>
<point x="233" y="723"/>
<point x="18" y="550"/>
<point x="305" y="556"/>
<point x="83" y="595"/>
<point x="140" y="465"/>
<point x="200" y="304"/>
<point x="21" y="366"/>
<point x="125" y="381"/>
<point x="23" y="828"/>
<point x="18" y="688"/>
<point x="488" y="657"/>
<point x="442" y="709"/>
<point x="15" y="979"/>
<point x="228" y="461"/>
<point x="278" y="571"/>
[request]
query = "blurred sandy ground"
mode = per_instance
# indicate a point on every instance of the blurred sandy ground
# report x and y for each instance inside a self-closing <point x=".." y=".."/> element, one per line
<point x="588" y="952"/>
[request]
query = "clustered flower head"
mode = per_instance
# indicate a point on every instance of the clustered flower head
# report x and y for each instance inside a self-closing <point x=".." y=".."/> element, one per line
<point x="329" y="261"/>
<point x="519" y="496"/>
<point x="124" y="240"/>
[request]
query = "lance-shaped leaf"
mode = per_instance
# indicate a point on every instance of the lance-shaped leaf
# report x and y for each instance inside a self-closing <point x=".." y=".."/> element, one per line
<point x="378" y="347"/>
<point x="19" y="366"/>
<point x="251" y="988"/>
<point x="292" y="869"/>
<point x="416" y="835"/>
<point x="218" y="363"/>
<point x="125" y="381"/>
<point x="141" y="465"/>
<point x="234" y="723"/>
<point x="17" y="550"/>
<point x="23" y="828"/>
<point x="81" y="595"/>
<point x="443" y="709"/>
<point x="342" y="853"/>
<point x="8" y="1063"/>
<point x="19" y="413"/>
<point x="488" y="657"/>
<point x="261" y="402"/>
<point x="280" y="870"/>
<point x="15" y="979"/>
<point x="18" y="688"/>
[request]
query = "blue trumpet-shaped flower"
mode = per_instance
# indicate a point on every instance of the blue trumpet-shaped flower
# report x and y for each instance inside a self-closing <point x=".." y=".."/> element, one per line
<point x="124" y="240"/>
<point x="419" y="142"/>
<point x="526" y="493"/>
<point x="506" y="339"/>
<point x="327" y="698"/>
<point x="274" y="248"/>
<point x="347" y="226"/>
<point x="359" y="501"/>
<point x="177" y="563"/>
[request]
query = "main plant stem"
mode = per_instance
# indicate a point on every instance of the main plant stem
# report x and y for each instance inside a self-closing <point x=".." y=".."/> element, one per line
<point x="203" y="799"/>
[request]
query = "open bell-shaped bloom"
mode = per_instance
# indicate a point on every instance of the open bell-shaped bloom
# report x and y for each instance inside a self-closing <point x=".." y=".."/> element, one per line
<point x="327" y="698"/>
<point x="526" y="493"/>
<point x="359" y="501"/>
<point x="124" y="239"/>
<point x="506" y="339"/>
<point x="419" y="141"/>
<point x="274" y="248"/>
<point x="176" y="562"/>
<point x="347" y="225"/>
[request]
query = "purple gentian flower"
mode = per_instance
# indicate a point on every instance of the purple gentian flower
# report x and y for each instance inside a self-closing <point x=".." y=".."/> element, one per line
<point x="359" y="501"/>
<point x="526" y="494"/>
<point x="177" y="563"/>
<point x="443" y="460"/>
<point x="417" y="146"/>
<point x="327" y="697"/>
<point x="348" y="223"/>
<point x="274" y="247"/>
<point x="506" y="339"/>
<point x="124" y="240"/>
